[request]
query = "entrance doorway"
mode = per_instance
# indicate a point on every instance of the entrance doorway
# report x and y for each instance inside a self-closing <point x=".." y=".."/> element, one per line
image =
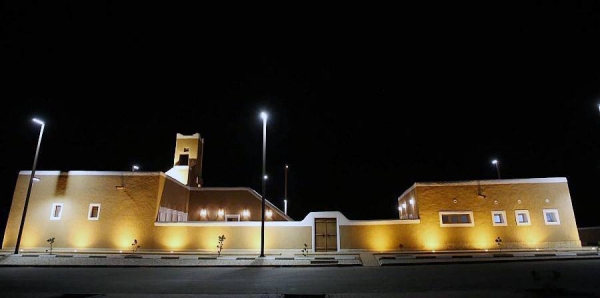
<point x="325" y="234"/>
<point x="183" y="159"/>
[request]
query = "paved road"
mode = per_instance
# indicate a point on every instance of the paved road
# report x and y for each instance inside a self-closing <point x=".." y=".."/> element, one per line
<point x="550" y="278"/>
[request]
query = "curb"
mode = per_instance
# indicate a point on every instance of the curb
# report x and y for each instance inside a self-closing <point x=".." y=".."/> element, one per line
<point x="469" y="259"/>
<point x="129" y="260"/>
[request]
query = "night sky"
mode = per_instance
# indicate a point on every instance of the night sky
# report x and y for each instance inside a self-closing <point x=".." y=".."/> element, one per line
<point x="363" y="102"/>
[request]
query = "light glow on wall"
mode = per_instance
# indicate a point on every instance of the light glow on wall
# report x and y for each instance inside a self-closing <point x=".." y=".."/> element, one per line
<point x="483" y="238"/>
<point x="269" y="213"/>
<point x="432" y="239"/>
<point x="246" y="213"/>
<point x="124" y="236"/>
<point x="203" y="212"/>
<point x="81" y="237"/>
<point x="175" y="239"/>
<point x="221" y="212"/>
<point x="530" y="238"/>
<point x="380" y="240"/>
<point x="210" y="242"/>
<point x="30" y="239"/>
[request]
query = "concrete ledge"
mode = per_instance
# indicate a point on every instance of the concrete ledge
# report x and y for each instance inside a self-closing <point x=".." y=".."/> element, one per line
<point x="152" y="260"/>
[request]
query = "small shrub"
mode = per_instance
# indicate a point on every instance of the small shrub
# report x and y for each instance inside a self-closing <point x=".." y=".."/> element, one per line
<point x="51" y="241"/>
<point x="305" y="250"/>
<point x="499" y="242"/>
<point x="134" y="246"/>
<point x="401" y="246"/>
<point x="220" y="244"/>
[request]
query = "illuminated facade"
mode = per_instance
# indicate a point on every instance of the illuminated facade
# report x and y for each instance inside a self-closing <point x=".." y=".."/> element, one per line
<point x="173" y="211"/>
<point x="513" y="213"/>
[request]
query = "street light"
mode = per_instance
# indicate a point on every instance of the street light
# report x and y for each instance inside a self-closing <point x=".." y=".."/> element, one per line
<point x="495" y="162"/>
<point x="37" y="150"/>
<point x="134" y="167"/>
<point x="285" y="193"/>
<point x="264" y="117"/>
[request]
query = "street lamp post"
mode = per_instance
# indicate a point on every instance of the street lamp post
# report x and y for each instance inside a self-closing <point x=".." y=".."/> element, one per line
<point x="495" y="162"/>
<point x="264" y="117"/>
<point x="285" y="193"/>
<point x="37" y="151"/>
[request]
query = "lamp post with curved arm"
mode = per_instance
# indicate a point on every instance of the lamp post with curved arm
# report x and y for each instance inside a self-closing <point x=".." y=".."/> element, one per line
<point x="31" y="178"/>
<point x="495" y="162"/>
<point x="264" y="117"/>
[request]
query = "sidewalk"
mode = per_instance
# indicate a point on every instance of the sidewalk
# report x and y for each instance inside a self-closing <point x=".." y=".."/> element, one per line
<point x="141" y="259"/>
<point x="387" y="259"/>
<point x="370" y="259"/>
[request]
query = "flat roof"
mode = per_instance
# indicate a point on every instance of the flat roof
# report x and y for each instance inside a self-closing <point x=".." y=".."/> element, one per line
<point x="487" y="182"/>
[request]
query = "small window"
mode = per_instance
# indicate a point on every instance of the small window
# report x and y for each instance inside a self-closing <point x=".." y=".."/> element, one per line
<point x="522" y="217"/>
<point x="551" y="217"/>
<point x="499" y="218"/>
<point x="232" y="217"/>
<point x="456" y="219"/>
<point x="94" y="212"/>
<point x="56" y="211"/>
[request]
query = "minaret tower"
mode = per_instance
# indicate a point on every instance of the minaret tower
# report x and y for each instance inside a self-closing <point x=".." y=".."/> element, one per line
<point x="188" y="159"/>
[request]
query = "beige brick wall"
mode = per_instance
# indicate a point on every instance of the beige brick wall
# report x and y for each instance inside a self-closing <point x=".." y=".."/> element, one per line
<point x="130" y="213"/>
<point x="507" y="197"/>
<point x="125" y="214"/>
<point x="237" y="237"/>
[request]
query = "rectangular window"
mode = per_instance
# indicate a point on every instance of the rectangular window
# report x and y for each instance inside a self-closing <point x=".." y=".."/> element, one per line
<point x="232" y="217"/>
<point x="456" y="219"/>
<point x="522" y="217"/>
<point x="94" y="212"/>
<point x="551" y="217"/>
<point x="499" y="218"/>
<point x="56" y="211"/>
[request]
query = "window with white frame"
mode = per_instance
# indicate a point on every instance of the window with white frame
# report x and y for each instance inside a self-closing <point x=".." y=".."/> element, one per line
<point x="551" y="217"/>
<point x="56" y="211"/>
<point x="499" y="218"/>
<point x="522" y="217"/>
<point x="456" y="219"/>
<point x="94" y="212"/>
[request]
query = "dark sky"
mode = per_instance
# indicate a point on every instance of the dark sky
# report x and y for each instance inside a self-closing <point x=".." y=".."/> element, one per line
<point x="363" y="101"/>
